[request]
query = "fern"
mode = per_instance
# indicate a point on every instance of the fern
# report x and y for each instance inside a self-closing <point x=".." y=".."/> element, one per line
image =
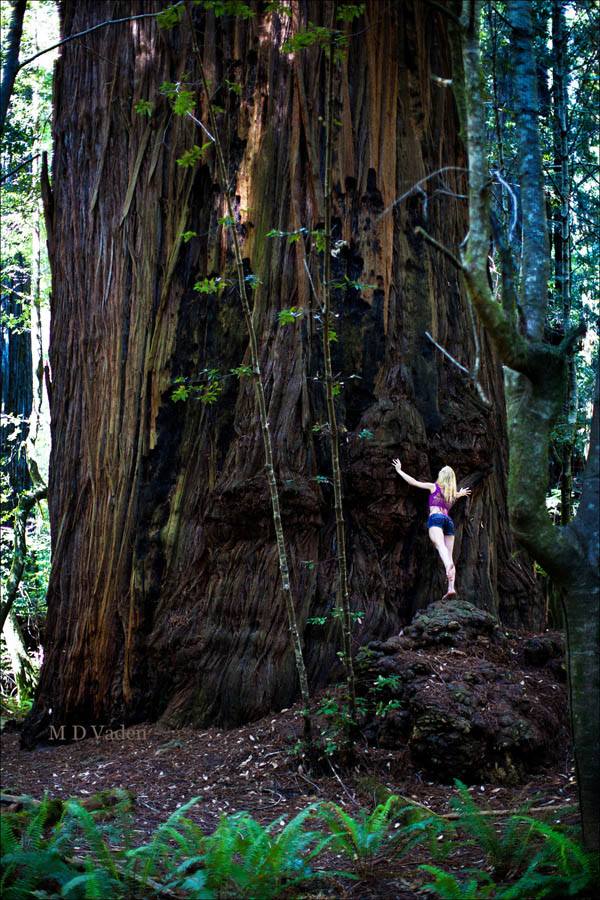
<point x="95" y="839"/>
<point x="561" y="868"/>
<point x="368" y="837"/>
<point x="32" y="861"/>
<point x="246" y="860"/>
<point x="448" y="887"/>
<point x="558" y="867"/>
<point x="506" y="847"/>
<point x="157" y="856"/>
<point x="92" y="885"/>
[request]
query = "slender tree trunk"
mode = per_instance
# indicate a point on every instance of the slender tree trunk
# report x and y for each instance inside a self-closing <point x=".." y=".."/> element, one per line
<point x="164" y="597"/>
<point x="27" y="501"/>
<point x="343" y="600"/>
<point x="562" y="244"/>
<point x="17" y="376"/>
<point x="11" y="57"/>
<point x="24" y="672"/>
<point x="535" y="382"/>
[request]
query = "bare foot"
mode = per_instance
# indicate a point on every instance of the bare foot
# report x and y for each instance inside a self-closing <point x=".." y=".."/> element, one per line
<point x="449" y="593"/>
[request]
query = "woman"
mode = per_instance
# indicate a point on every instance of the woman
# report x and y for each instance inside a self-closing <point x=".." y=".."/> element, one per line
<point x="442" y="496"/>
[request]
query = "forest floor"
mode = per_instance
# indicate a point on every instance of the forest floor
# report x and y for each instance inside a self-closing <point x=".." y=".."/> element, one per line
<point x="254" y="769"/>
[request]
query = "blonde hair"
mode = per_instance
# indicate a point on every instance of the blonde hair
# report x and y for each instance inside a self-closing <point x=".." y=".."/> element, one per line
<point x="447" y="482"/>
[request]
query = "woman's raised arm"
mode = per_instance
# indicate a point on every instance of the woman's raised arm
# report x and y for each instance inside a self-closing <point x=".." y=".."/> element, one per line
<point x="428" y="485"/>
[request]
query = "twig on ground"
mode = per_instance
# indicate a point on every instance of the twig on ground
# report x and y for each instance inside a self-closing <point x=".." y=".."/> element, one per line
<point x="345" y="789"/>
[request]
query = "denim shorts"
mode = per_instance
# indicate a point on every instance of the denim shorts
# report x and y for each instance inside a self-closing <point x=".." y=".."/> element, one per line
<point x="440" y="521"/>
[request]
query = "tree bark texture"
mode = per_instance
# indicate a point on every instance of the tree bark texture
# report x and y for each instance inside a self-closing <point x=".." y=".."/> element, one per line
<point x="164" y="597"/>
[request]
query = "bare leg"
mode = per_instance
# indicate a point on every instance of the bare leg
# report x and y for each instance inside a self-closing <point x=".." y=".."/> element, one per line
<point x="449" y="542"/>
<point x="437" y="537"/>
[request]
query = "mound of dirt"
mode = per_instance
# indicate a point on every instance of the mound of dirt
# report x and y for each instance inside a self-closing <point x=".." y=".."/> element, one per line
<point x="466" y="700"/>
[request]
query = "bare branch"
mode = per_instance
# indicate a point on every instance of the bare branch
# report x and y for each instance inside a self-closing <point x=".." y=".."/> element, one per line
<point x="513" y="204"/>
<point x="73" y="37"/>
<point x="453" y="259"/>
<point x="449" y="355"/>
<point x="416" y="187"/>
<point x="473" y="376"/>
<point x="312" y="284"/>
<point x="20" y="166"/>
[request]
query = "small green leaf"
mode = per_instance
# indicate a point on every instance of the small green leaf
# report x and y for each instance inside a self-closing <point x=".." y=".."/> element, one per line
<point x="184" y="102"/>
<point x="299" y="42"/>
<point x="209" y="285"/>
<point x="286" y="316"/>
<point x="234" y="87"/>
<point x="182" y="392"/>
<point x="236" y="8"/>
<point x="241" y="370"/>
<point x="191" y="157"/>
<point x="347" y="12"/>
<point x="278" y="8"/>
<point x="170" y="16"/>
<point x="319" y="237"/>
<point x="144" y="107"/>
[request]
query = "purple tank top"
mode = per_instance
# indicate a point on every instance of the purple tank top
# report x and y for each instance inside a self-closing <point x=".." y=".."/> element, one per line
<point x="438" y="499"/>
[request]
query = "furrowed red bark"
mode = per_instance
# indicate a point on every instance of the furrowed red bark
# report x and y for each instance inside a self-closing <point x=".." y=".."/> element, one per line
<point x="262" y="406"/>
<point x="164" y="599"/>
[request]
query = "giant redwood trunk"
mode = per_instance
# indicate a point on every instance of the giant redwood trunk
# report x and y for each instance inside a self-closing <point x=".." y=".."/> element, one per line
<point x="164" y="598"/>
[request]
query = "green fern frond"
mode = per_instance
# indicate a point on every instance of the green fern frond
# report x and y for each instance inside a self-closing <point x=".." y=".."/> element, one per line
<point x="94" y="837"/>
<point x="243" y="859"/>
<point x="362" y="839"/>
<point x="8" y="838"/>
<point x="33" y="833"/>
<point x="508" y="846"/>
<point x="448" y="887"/>
<point x="96" y="885"/>
<point x="570" y="857"/>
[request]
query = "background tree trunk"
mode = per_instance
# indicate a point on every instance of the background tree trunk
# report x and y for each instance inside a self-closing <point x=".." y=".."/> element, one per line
<point x="164" y="595"/>
<point x="16" y="387"/>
